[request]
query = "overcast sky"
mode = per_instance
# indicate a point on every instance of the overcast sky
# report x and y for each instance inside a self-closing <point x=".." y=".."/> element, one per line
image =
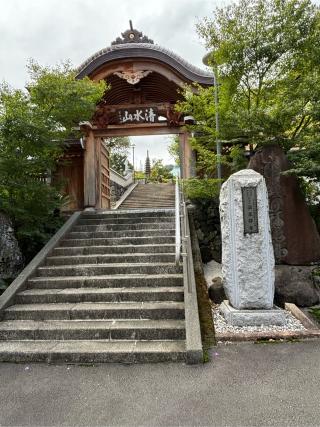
<point x="51" y="31"/>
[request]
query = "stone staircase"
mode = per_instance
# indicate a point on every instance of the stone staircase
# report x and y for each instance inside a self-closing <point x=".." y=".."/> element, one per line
<point x="150" y="196"/>
<point x="110" y="291"/>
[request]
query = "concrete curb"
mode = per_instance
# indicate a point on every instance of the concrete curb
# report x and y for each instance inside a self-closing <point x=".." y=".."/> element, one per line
<point x="298" y="314"/>
<point x="255" y="336"/>
<point x="19" y="283"/>
<point x="194" y="351"/>
<point x="125" y="195"/>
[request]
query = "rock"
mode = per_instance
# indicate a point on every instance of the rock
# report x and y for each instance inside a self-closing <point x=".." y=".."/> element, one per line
<point x="207" y="224"/>
<point x="295" y="284"/>
<point x="295" y="237"/>
<point x="206" y="254"/>
<point x="11" y="261"/>
<point x="216" y="291"/>
<point x="316" y="278"/>
<point x="247" y="252"/>
<point x="200" y="234"/>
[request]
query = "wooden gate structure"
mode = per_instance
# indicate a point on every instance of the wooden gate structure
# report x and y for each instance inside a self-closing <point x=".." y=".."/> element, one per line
<point x="145" y="82"/>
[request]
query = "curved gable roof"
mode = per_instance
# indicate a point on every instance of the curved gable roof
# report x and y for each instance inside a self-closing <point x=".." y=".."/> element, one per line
<point x="145" y="51"/>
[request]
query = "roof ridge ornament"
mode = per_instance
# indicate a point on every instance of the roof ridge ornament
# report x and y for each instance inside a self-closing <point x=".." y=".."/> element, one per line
<point x="132" y="36"/>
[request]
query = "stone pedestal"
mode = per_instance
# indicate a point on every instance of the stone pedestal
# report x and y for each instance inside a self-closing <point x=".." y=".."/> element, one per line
<point x="236" y="317"/>
<point x="247" y="252"/>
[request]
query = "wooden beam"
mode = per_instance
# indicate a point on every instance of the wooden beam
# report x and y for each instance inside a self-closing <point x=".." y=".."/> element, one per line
<point x="138" y="129"/>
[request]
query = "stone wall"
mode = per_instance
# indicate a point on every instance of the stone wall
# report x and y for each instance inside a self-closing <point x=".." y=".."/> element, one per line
<point x="116" y="191"/>
<point x="207" y="225"/>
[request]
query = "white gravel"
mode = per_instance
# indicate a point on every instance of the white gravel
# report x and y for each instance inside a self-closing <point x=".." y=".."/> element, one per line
<point x="292" y="324"/>
<point x="213" y="269"/>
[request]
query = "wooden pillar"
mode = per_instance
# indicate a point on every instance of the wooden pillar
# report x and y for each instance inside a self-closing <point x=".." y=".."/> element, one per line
<point x="96" y="171"/>
<point x="187" y="157"/>
<point x="89" y="171"/>
<point x="181" y="155"/>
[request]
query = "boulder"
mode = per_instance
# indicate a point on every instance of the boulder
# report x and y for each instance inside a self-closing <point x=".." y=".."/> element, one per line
<point x="295" y="284"/>
<point x="216" y="291"/>
<point x="11" y="260"/>
<point x="294" y="234"/>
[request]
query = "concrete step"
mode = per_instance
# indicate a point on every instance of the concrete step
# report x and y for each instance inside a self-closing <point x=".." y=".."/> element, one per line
<point x="124" y="249"/>
<point x="91" y="351"/>
<point x="96" y="310"/>
<point x="127" y="220"/>
<point x="110" y="258"/>
<point x="111" y="292"/>
<point x="153" y="198"/>
<point x="146" y="199"/>
<point x="97" y="269"/>
<point x="110" y="281"/>
<point x="93" y="330"/>
<point x="75" y="295"/>
<point x="134" y="205"/>
<point x="121" y="227"/>
<point x="138" y="213"/>
<point x="118" y="241"/>
<point x="122" y="233"/>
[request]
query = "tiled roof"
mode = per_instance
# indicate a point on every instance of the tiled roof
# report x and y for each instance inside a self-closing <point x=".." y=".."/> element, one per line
<point x="145" y="50"/>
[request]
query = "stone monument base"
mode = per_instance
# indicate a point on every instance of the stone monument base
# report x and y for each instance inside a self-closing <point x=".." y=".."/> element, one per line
<point x="256" y="317"/>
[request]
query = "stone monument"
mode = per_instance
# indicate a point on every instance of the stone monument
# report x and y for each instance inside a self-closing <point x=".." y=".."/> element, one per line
<point x="247" y="252"/>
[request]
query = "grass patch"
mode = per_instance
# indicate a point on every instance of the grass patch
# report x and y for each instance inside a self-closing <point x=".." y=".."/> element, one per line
<point x="206" y="356"/>
<point x="4" y="283"/>
<point x="315" y="313"/>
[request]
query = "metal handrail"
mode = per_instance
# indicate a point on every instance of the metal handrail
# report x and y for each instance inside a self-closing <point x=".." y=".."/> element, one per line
<point x="183" y="239"/>
<point x="177" y="219"/>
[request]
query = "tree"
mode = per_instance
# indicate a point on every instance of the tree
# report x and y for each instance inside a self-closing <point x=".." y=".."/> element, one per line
<point x="119" y="150"/>
<point x="34" y="125"/>
<point x="267" y="56"/>
<point x="160" y="172"/>
<point x="174" y="149"/>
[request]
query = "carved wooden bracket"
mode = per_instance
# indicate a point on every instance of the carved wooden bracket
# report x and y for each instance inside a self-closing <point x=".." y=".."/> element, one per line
<point x="172" y="116"/>
<point x="132" y="77"/>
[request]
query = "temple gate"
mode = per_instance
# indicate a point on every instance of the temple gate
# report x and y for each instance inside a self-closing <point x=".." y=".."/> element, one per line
<point x="145" y="82"/>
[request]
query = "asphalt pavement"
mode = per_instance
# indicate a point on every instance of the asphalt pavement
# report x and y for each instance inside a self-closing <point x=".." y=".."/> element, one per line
<point x="243" y="385"/>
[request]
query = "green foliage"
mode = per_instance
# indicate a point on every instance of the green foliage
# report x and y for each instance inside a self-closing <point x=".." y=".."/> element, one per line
<point x="266" y="54"/>
<point x="316" y="313"/>
<point x="159" y="172"/>
<point x="139" y="175"/>
<point x="174" y="149"/>
<point x="33" y="127"/>
<point x="119" y="150"/>
<point x="4" y="283"/>
<point x="238" y="158"/>
<point x="201" y="188"/>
